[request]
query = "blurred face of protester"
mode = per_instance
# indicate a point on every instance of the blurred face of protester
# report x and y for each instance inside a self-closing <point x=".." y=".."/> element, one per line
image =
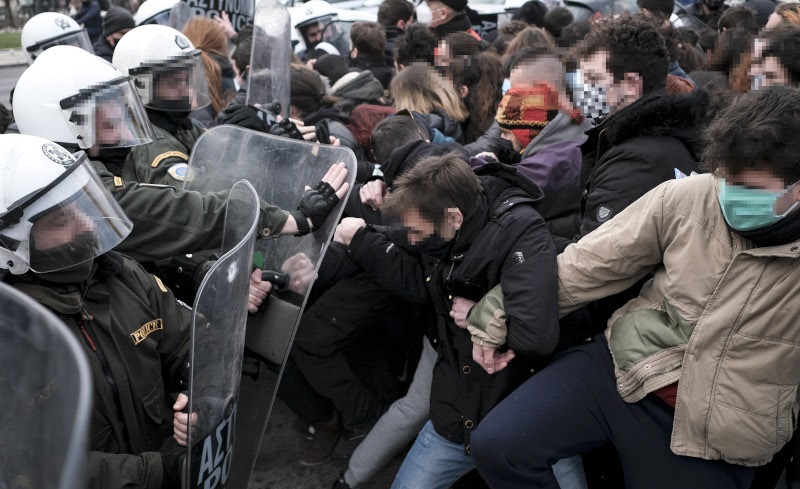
<point x="421" y="230"/>
<point x="766" y="71"/>
<point x="619" y="94"/>
<point x="114" y="38"/>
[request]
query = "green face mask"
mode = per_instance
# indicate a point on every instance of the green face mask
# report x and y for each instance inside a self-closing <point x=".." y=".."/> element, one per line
<point x="746" y="209"/>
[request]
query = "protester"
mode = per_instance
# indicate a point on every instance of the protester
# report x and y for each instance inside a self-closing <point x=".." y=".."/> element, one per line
<point x="206" y="35"/>
<point x="417" y="45"/>
<point x="667" y="377"/>
<point x="395" y="16"/>
<point x="556" y="20"/>
<point x="785" y="13"/>
<point x="774" y="61"/>
<point x="368" y="40"/>
<point x="89" y="17"/>
<point x="116" y="23"/>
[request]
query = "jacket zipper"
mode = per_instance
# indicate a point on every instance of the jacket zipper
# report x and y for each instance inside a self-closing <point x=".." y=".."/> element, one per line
<point x="88" y="333"/>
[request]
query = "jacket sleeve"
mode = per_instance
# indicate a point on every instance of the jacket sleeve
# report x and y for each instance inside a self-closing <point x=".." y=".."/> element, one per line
<point x="619" y="179"/>
<point x="144" y="471"/>
<point x="353" y="207"/>
<point x="614" y="257"/>
<point x="169" y="222"/>
<point x="93" y="10"/>
<point x="390" y="266"/>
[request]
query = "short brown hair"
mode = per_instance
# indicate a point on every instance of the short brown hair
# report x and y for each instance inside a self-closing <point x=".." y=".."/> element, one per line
<point x="432" y="185"/>
<point x="390" y="12"/>
<point x="368" y="37"/>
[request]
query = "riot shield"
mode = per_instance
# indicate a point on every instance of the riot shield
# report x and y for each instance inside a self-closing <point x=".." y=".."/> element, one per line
<point x="45" y="391"/>
<point x="268" y="80"/>
<point x="179" y="15"/>
<point x="217" y="344"/>
<point x="278" y="168"/>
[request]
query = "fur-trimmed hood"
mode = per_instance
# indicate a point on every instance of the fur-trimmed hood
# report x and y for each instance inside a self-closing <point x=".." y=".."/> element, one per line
<point x="657" y="114"/>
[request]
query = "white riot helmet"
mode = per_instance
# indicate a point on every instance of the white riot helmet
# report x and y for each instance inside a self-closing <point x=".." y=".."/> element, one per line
<point x="55" y="212"/>
<point x="154" y="12"/>
<point x="166" y="68"/>
<point x="312" y="15"/>
<point x="50" y="29"/>
<point x="94" y="105"/>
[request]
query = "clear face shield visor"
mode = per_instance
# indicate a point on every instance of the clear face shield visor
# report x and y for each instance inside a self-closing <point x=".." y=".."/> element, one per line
<point x="108" y="116"/>
<point x="174" y="85"/>
<point x="73" y="220"/>
<point x="78" y="39"/>
<point x="336" y="33"/>
<point x="161" y="18"/>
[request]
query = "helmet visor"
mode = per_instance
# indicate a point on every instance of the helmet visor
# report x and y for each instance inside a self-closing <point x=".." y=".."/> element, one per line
<point x="161" y="18"/>
<point x="78" y="39"/>
<point x="108" y="116"/>
<point x="79" y="220"/>
<point x="337" y="33"/>
<point x="173" y="85"/>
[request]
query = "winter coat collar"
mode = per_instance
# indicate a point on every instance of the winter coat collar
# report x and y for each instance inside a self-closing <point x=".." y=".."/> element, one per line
<point x="407" y="155"/>
<point x="358" y="85"/>
<point x="459" y="23"/>
<point x="559" y="130"/>
<point x="657" y="114"/>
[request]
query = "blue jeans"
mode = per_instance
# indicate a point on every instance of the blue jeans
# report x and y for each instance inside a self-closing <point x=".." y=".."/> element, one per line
<point x="433" y="462"/>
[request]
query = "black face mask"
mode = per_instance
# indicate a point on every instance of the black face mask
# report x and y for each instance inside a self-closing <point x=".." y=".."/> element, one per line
<point x="82" y="247"/>
<point x="435" y="246"/>
<point x="113" y="156"/>
<point x="783" y="232"/>
<point x="179" y="108"/>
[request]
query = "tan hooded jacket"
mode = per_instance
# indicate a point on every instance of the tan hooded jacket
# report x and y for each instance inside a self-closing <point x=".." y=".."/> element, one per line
<point x="719" y="315"/>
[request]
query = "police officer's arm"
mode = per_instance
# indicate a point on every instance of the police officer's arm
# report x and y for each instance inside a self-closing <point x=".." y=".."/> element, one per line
<point x="169" y="222"/>
<point x="108" y="470"/>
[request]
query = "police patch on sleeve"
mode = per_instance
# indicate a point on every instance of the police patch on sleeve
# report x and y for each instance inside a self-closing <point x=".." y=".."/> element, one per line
<point x="604" y="213"/>
<point x="178" y="171"/>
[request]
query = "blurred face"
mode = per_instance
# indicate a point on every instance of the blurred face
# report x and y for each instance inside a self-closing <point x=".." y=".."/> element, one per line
<point x="114" y="38"/>
<point x="766" y="71"/>
<point x="59" y="227"/>
<point x="439" y="11"/>
<point x="174" y="86"/>
<point x="774" y="21"/>
<point x="441" y="55"/>
<point x="111" y="124"/>
<point x="419" y="228"/>
<point x="619" y="94"/>
<point x="765" y="180"/>
<point x="313" y="35"/>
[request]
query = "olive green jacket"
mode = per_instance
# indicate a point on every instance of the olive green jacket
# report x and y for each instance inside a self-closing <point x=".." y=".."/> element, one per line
<point x="719" y="317"/>
<point x="134" y="323"/>
<point x="164" y="161"/>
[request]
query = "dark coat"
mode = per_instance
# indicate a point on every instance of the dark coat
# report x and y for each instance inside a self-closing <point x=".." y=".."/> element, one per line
<point x="89" y="17"/>
<point x="393" y="33"/>
<point x="445" y="124"/>
<point x="506" y="241"/>
<point x="377" y="65"/>
<point x="653" y="140"/>
<point x="110" y="320"/>
<point x="103" y="49"/>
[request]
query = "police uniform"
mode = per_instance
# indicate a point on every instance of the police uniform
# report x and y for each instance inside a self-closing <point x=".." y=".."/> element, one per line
<point x="169" y="222"/>
<point x="136" y="338"/>
<point x="165" y="160"/>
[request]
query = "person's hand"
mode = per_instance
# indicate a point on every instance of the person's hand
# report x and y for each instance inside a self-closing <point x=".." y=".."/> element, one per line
<point x="259" y="290"/>
<point x="490" y="359"/>
<point x="335" y="141"/>
<point x="309" y="132"/>
<point x="224" y="22"/>
<point x="460" y="310"/>
<point x="347" y="229"/>
<point x="301" y="272"/>
<point x="242" y="116"/>
<point x="372" y="193"/>
<point x="180" y="425"/>
<point x="287" y="129"/>
<point x="318" y="202"/>
<point x="310" y="63"/>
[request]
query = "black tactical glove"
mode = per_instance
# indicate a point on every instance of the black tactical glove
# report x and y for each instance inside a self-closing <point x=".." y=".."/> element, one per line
<point x="242" y="116"/>
<point x="172" y="458"/>
<point x="286" y="129"/>
<point x="316" y="204"/>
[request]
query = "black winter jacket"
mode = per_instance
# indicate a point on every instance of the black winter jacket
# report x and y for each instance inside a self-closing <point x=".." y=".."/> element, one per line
<point x="506" y="241"/>
<point x="651" y="141"/>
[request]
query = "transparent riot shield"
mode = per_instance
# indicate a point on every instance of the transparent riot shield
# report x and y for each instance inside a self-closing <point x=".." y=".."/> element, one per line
<point x="217" y="345"/>
<point x="45" y="391"/>
<point x="179" y="15"/>
<point x="279" y="169"/>
<point x="268" y="80"/>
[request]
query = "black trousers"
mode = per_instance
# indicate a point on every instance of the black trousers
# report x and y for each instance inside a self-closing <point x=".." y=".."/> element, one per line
<point x="334" y="321"/>
<point x="572" y="406"/>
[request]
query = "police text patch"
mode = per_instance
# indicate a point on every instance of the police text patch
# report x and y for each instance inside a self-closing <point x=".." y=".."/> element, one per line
<point x="140" y="334"/>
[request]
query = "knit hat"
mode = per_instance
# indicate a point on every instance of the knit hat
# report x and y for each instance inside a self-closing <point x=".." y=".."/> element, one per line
<point x="117" y="19"/>
<point x="457" y="5"/>
<point x="526" y="111"/>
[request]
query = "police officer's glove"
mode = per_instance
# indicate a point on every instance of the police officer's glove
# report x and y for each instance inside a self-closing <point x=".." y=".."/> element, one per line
<point x="172" y="458"/>
<point x="286" y="129"/>
<point x="316" y="204"/>
<point x="243" y="116"/>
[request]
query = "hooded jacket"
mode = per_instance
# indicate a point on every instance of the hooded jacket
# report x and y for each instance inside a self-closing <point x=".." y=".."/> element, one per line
<point x="136" y="338"/>
<point x="717" y="317"/>
<point x="653" y="140"/>
<point x="505" y="242"/>
<point x="358" y="86"/>
<point x="440" y="121"/>
<point x="376" y="65"/>
<point x="552" y="160"/>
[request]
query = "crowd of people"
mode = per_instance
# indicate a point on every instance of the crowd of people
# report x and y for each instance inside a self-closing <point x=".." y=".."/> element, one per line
<point x="570" y="257"/>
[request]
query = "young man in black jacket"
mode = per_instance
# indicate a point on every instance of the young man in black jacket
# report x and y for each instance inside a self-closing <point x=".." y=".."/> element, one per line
<point x="465" y="234"/>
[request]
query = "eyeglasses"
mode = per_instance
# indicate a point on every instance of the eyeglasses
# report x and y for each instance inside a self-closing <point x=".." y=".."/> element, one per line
<point x="408" y="113"/>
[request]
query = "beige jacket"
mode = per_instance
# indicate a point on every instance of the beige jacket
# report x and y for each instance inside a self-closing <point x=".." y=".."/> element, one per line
<point x="719" y="315"/>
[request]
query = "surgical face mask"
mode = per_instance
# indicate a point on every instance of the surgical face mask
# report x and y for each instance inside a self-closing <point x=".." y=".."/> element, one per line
<point x="758" y="82"/>
<point x="506" y="85"/>
<point x="424" y="14"/>
<point x="746" y="209"/>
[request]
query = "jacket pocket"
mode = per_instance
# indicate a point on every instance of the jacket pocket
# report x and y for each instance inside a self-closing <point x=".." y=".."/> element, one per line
<point x="103" y="440"/>
<point x="154" y="403"/>
<point x="787" y="414"/>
